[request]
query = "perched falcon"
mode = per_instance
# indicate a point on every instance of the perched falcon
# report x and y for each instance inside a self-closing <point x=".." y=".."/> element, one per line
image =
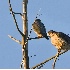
<point x="60" y="40"/>
<point x="39" y="28"/>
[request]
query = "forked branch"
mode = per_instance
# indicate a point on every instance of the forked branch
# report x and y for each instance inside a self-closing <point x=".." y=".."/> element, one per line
<point x="55" y="59"/>
<point x="14" y="18"/>
<point x="42" y="63"/>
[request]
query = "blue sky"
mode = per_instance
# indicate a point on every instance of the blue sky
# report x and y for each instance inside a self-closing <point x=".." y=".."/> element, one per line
<point x="55" y="15"/>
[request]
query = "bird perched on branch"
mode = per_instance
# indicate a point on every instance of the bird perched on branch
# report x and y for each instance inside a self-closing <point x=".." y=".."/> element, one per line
<point x="60" y="40"/>
<point x="39" y="28"/>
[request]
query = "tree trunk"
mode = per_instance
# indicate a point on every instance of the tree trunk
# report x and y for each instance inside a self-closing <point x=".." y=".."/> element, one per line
<point x="25" y="32"/>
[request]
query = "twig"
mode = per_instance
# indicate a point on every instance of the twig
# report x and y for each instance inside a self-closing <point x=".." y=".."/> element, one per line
<point x="42" y="63"/>
<point x="18" y="41"/>
<point x="35" y="38"/>
<point x="55" y="59"/>
<point x="17" y="13"/>
<point x="28" y="38"/>
<point x="14" y="19"/>
<point x="31" y="39"/>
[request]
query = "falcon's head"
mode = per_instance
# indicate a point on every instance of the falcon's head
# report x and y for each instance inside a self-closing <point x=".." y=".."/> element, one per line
<point x="37" y="20"/>
<point x="51" y="33"/>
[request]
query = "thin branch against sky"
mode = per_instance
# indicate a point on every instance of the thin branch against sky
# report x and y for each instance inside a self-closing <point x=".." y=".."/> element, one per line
<point x="55" y="15"/>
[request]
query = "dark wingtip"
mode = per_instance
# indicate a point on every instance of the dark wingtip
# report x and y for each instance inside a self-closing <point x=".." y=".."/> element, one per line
<point x="47" y="37"/>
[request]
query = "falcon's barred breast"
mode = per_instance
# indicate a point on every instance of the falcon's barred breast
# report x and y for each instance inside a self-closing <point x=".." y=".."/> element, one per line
<point x="39" y="28"/>
<point x="59" y="40"/>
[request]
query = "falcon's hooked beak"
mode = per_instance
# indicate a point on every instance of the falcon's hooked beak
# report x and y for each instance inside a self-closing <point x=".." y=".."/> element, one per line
<point x="48" y="35"/>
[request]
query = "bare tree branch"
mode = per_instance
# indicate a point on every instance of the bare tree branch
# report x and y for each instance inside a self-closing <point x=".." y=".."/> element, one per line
<point x="31" y="39"/>
<point x="17" y="13"/>
<point x="18" y="41"/>
<point x="35" y="38"/>
<point x="55" y="59"/>
<point x="42" y="63"/>
<point x="14" y="18"/>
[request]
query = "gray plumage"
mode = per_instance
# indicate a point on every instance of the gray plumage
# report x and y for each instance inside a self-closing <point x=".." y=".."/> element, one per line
<point x="39" y="28"/>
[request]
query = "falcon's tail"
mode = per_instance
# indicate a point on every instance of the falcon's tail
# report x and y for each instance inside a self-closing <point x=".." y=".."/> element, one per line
<point x="46" y="36"/>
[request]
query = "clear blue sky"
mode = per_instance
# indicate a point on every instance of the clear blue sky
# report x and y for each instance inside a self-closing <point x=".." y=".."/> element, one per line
<point x="55" y="15"/>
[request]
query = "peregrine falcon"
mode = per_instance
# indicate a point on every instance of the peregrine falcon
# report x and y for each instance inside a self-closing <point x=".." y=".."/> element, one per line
<point x="60" y="40"/>
<point x="39" y="28"/>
